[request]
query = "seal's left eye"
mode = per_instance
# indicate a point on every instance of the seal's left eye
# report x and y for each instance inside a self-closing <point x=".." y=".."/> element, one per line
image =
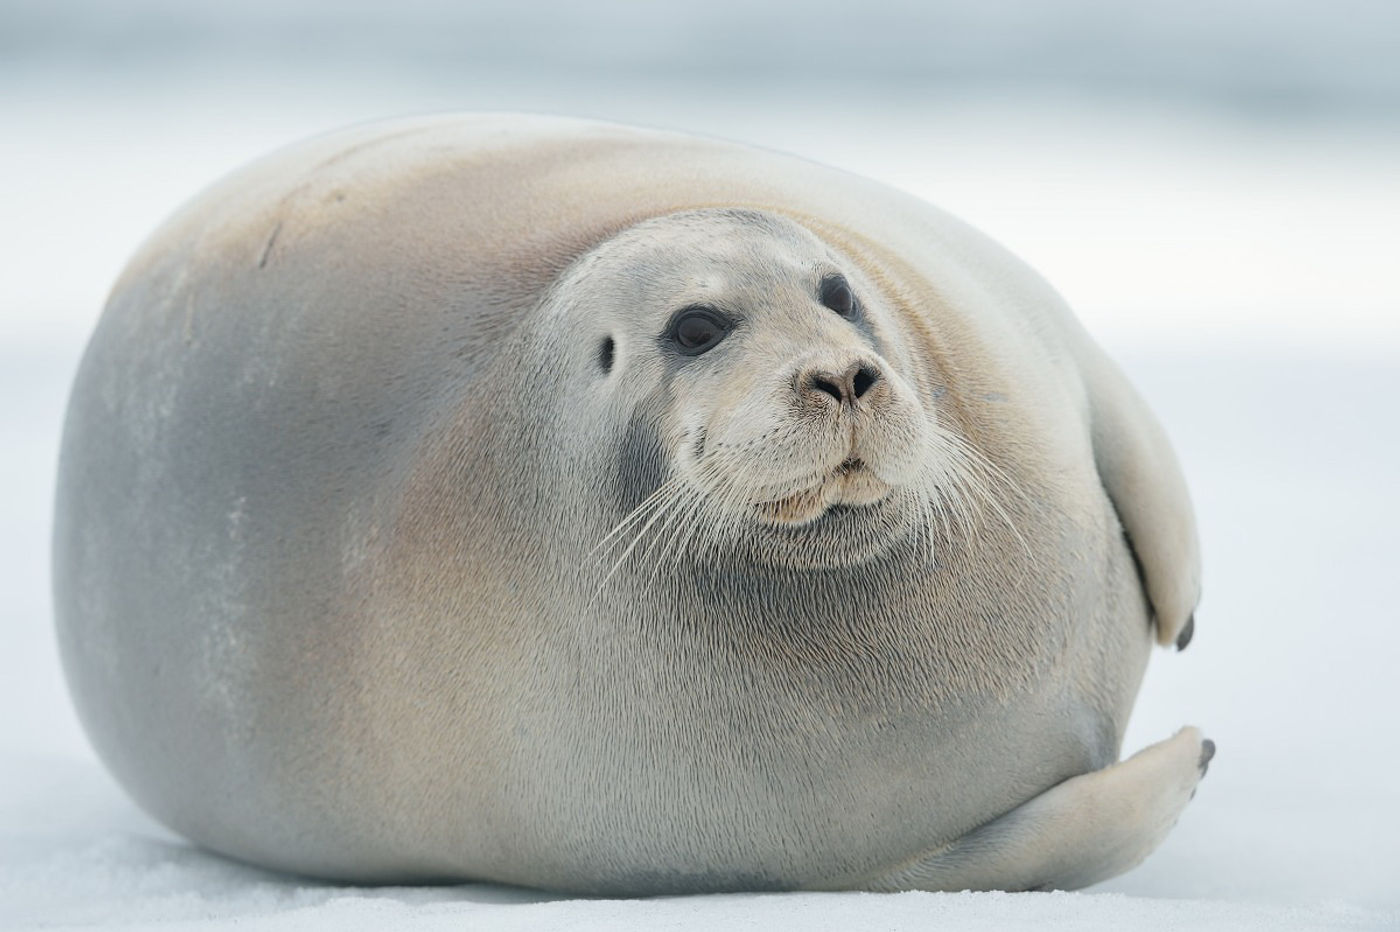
<point x="695" y="330"/>
<point x="837" y="295"/>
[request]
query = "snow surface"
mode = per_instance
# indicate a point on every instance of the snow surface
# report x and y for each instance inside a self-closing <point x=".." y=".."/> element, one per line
<point x="1243" y="272"/>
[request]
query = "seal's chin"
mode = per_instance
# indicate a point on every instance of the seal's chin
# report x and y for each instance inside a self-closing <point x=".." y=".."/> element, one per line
<point x="852" y="484"/>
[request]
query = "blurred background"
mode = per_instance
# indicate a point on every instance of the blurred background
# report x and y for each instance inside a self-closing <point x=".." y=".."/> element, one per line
<point x="1213" y="184"/>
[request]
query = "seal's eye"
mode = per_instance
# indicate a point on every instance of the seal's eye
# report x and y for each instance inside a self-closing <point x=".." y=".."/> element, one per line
<point x="695" y="330"/>
<point x="837" y="295"/>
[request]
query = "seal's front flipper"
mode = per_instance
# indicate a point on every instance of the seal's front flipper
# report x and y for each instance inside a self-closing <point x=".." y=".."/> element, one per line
<point x="1089" y="828"/>
<point x="1144" y="482"/>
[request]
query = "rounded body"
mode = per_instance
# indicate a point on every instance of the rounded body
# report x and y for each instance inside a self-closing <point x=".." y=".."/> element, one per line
<point x="336" y="474"/>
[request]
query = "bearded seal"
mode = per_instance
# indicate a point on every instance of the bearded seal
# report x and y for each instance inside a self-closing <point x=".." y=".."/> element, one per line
<point x="618" y="512"/>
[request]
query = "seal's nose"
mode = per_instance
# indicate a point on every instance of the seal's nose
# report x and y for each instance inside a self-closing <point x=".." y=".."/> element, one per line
<point x="847" y="388"/>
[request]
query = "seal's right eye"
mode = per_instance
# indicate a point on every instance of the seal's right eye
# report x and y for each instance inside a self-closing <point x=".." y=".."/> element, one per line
<point x="695" y="330"/>
<point x="837" y="295"/>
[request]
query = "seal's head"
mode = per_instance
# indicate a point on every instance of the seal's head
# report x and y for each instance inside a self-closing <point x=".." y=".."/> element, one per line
<point x="765" y="389"/>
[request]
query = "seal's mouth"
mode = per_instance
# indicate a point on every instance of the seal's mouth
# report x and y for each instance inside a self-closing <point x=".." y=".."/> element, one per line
<point x="852" y="484"/>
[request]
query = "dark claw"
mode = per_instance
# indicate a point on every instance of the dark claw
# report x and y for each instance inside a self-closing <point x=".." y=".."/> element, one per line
<point x="1184" y="637"/>
<point x="1207" y="752"/>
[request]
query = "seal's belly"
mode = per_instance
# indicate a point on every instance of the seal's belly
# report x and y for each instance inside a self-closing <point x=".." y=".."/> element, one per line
<point x="721" y="775"/>
<point x="717" y="806"/>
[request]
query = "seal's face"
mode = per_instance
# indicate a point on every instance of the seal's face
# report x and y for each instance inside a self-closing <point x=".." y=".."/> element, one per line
<point x="773" y="384"/>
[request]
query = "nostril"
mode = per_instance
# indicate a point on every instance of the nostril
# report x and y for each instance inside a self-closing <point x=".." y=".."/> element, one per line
<point x="864" y="378"/>
<point x="828" y="386"/>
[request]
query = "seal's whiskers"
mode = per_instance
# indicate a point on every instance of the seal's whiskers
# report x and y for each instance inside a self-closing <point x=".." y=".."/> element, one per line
<point x="672" y="496"/>
<point x="974" y="480"/>
<point x="657" y="498"/>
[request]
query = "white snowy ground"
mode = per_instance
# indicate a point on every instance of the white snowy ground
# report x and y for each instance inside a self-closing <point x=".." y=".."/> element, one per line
<point x="1244" y="274"/>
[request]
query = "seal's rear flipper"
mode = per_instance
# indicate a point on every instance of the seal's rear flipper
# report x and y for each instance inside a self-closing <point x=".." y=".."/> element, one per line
<point x="1087" y="829"/>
